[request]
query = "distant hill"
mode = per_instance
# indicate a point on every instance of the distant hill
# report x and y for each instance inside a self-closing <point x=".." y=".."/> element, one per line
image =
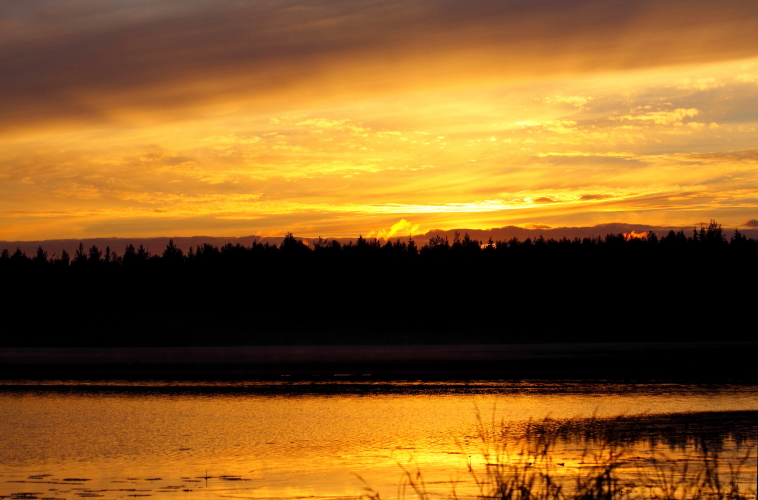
<point x="157" y="244"/>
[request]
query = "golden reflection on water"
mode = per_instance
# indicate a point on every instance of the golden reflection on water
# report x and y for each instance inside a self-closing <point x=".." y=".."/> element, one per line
<point x="284" y="443"/>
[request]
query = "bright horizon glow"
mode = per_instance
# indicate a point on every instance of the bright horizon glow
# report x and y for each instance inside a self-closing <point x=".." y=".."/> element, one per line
<point x="337" y="119"/>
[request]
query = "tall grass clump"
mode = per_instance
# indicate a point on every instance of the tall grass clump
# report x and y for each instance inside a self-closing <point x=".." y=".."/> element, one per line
<point x="699" y="456"/>
<point x="610" y="459"/>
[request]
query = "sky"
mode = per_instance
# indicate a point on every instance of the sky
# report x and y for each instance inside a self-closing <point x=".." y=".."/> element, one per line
<point x="383" y="118"/>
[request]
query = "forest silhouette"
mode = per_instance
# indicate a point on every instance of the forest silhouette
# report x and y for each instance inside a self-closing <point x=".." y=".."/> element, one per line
<point x="677" y="287"/>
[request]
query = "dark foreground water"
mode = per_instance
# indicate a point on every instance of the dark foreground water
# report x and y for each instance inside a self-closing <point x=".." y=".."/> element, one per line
<point x="327" y="440"/>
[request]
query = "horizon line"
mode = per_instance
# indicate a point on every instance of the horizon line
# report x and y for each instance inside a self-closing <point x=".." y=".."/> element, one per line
<point x="535" y="228"/>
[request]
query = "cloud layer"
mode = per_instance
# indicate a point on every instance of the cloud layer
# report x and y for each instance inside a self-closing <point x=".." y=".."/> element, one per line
<point x="79" y="60"/>
<point x="336" y="117"/>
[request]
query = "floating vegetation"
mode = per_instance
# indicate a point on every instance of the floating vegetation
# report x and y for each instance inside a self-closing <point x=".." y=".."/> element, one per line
<point x="41" y="482"/>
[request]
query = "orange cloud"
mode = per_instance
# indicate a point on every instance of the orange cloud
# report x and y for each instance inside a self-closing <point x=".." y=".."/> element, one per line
<point x="635" y="235"/>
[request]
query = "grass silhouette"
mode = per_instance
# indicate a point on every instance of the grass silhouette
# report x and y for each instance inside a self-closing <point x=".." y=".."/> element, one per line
<point x="527" y="463"/>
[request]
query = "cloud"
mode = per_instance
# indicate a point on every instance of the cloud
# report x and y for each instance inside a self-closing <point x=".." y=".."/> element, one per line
<point x="294" y="125"/>
<point x="635" y="235"/>
<point x="400" y="228"/>
<point x="739" y="156"/>
<point x="106" y="61"/>
<point x="591" y="197"/>
<point x="699" y="84"/>
<point x="573" y="100"/>
<point x="560" y="126"/>
<point x="751" y="223"/>
<point x="659" y="117"/>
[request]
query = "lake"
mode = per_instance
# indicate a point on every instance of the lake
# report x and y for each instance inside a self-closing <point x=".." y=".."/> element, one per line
<point x="301" y="440"/>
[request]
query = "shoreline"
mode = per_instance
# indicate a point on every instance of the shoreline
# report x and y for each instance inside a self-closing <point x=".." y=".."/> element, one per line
<point x="704" y="361"/>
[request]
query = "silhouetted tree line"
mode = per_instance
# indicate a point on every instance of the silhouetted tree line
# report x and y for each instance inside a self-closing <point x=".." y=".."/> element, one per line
<point x="613" y="288"/>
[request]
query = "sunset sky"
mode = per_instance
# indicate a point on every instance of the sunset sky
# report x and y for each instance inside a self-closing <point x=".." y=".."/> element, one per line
<point x="382" y="118"/>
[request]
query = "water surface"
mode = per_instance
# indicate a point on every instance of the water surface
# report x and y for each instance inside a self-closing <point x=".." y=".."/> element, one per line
<point x="252" y="440"/>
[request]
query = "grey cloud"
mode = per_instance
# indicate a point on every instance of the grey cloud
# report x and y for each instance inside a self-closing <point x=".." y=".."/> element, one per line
<point x="751" y="223"/>
<point x="589" y="197"/>
<point x="173" y="161"/>
<point x="741" y="156"/>
<point x="627" y="163"/>
<point x="87" y="61"/>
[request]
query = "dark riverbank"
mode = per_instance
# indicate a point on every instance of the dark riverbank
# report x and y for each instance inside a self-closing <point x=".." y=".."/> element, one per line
<point x="712" y="361"/>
